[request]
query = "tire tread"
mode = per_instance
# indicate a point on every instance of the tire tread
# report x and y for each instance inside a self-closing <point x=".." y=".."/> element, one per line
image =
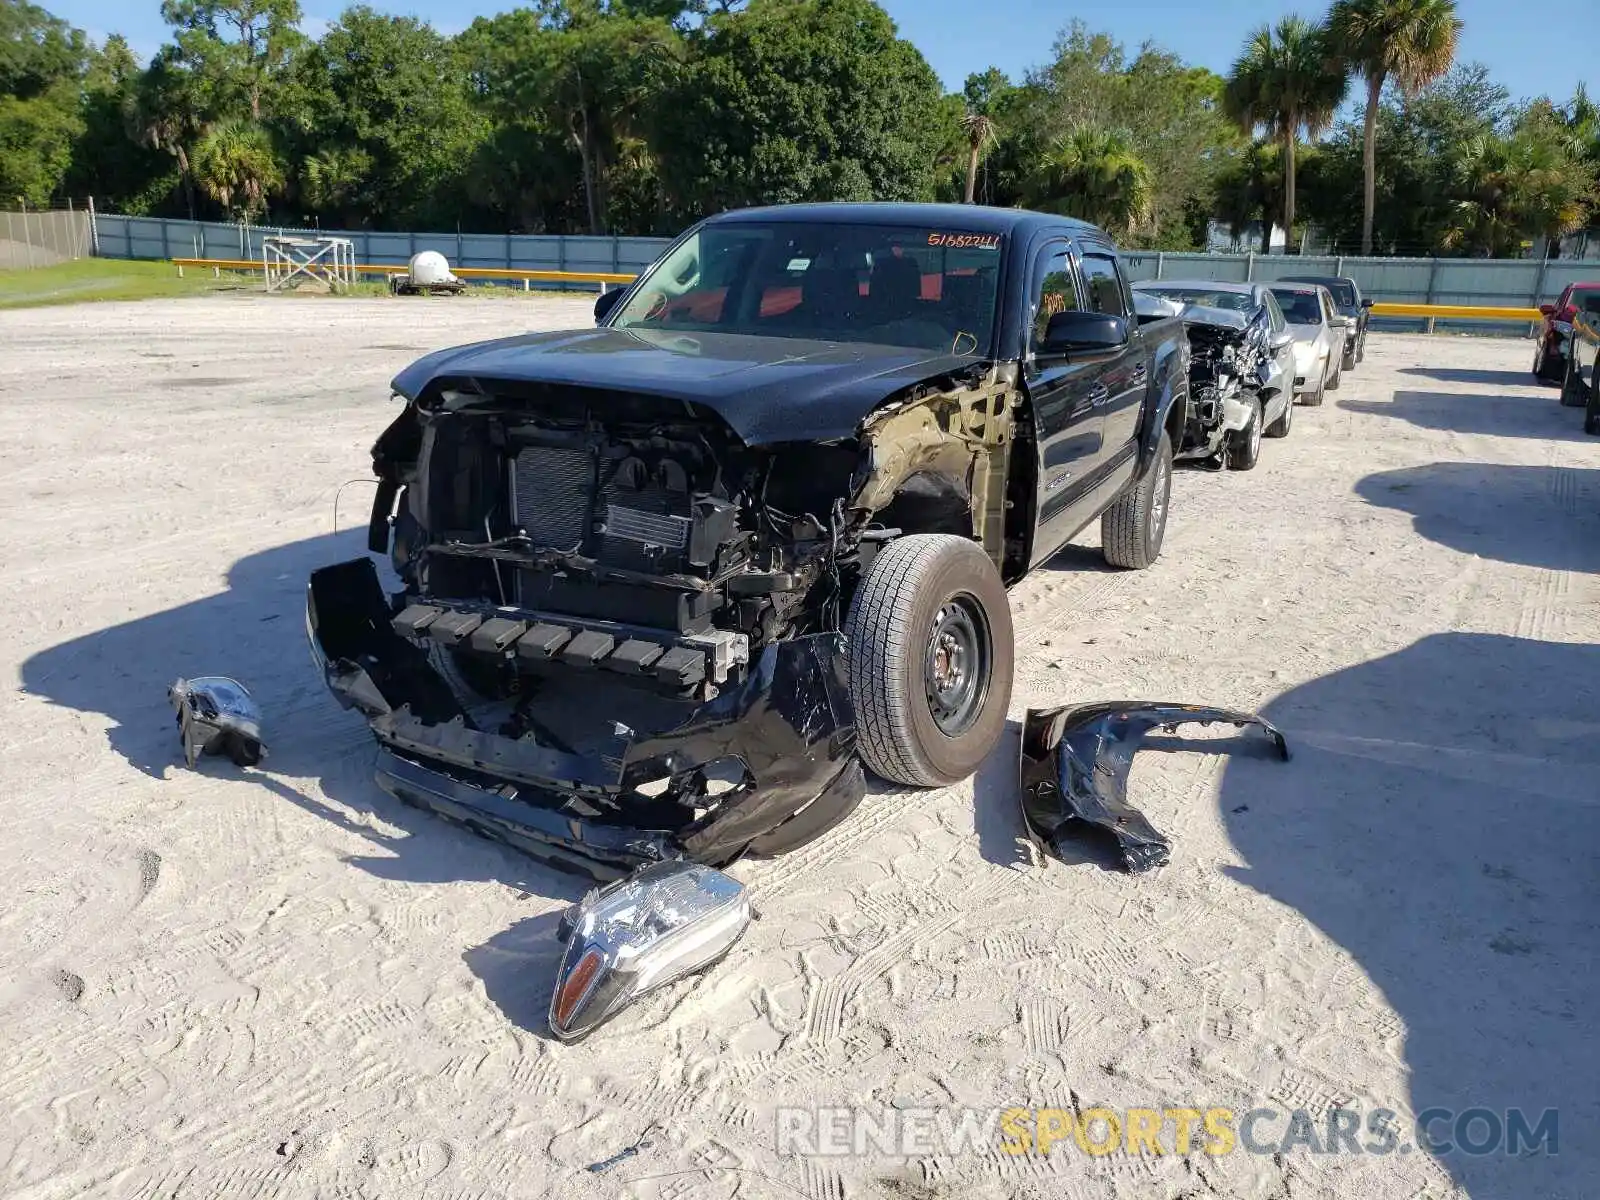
<point x="878" y="638"/>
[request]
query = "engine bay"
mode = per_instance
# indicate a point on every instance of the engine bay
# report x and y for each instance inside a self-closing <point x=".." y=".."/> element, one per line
<point x="651" y="543"/>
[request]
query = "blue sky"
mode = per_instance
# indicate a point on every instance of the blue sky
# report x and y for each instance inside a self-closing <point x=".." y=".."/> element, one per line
<point x="1524" y="46"/>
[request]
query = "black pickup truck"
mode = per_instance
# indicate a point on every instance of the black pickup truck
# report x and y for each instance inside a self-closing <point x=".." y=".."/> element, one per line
<point x="666" y="583"/>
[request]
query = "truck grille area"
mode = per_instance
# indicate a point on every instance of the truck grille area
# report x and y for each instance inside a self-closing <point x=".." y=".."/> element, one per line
<point x="551" y="490"/>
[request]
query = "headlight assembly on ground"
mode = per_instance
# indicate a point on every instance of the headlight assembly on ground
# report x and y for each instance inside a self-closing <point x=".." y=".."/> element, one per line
<point x="641" y="933"/>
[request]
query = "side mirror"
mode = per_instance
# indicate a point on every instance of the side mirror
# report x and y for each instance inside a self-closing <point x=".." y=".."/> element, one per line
<point x="1340" y="321"/>
<point x="1548" y="310"/>
<point x="1366" y="302"/>
<point x="1280" y="340"/>
<point x="606" y="301"/>
<point x="1078" y="332"/>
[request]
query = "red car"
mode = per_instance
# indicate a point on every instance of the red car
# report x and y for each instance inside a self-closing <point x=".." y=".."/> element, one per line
<point x="1550" y="359"/>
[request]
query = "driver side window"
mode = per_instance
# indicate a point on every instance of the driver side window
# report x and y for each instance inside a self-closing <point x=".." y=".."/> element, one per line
<point x="1057" y="292"/>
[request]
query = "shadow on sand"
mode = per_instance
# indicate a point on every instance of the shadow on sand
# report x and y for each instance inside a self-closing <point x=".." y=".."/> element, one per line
<point x="1488" y="378"/>
<point x="1440" y="823"/>
<point x="1535" y="415"/>
<point x="1535" y="516"/>
<point x="255" y="631"/>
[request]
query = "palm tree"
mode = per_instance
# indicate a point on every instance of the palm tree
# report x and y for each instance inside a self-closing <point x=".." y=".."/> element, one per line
<point x="979" y="130"/>
<point x="1095" y="175"/>
<point x="1249" y="187"/>
<point x="1411" y="42"/>
<point x="331" y="179"/>
<point x="236" y="166"/>
<point x="1286" y="83"/>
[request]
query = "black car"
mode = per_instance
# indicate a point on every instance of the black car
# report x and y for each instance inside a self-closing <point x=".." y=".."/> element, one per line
<point x="667" y="583"/>
<point x="1349" y="302"/>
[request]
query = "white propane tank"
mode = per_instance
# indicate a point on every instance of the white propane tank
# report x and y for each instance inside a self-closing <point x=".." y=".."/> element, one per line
<point x="428" y="268"/>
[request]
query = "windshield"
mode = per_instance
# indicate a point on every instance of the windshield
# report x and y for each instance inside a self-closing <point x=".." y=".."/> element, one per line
<point x="1231" y="301"/>
<point x="933" y="289"/>
<point x="1299" y="308"/>
<point x="1342" y="290"/>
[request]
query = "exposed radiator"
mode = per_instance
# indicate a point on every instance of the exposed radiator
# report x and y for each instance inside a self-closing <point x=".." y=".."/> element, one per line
<point x="551" y="487"/>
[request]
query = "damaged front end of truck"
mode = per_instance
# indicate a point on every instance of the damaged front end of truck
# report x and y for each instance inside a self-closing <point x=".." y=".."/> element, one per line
<point x="617" y="635"/>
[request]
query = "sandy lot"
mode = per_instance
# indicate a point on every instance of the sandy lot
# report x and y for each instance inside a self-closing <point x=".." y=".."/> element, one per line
<point x="280" y="982"/>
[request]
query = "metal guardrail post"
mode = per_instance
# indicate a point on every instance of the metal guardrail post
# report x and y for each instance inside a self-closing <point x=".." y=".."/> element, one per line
<point x="1161" y="259"/>
<point x="1250" y="267"/>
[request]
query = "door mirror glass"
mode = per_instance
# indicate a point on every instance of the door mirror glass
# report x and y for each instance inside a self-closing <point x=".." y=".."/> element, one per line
<point x="1084" y="333"/>
<point x="606" y="301"/>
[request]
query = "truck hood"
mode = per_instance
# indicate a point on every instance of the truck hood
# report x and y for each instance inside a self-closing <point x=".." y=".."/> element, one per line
<point x="768" y="389"/>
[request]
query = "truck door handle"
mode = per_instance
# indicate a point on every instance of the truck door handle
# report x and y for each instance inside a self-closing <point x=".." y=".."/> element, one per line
<point x="1098" y="395"/>
<point x="1139" y="373"/>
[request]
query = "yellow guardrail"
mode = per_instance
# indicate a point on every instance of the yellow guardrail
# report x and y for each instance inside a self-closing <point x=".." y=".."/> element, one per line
<point x="527" y="276"/>
<point x="1459" y="312"/>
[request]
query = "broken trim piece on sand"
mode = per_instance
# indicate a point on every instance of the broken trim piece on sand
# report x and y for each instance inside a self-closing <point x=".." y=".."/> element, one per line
<point x="1075" y="765"/>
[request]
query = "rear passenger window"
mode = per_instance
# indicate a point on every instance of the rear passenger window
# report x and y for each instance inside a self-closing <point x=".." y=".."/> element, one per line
<point x="1104" y="288"/>
<point x="1057" y="293"/>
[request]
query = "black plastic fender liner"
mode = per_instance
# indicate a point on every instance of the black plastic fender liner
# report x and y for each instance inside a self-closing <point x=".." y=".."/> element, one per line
<point x="1074" y="772"/>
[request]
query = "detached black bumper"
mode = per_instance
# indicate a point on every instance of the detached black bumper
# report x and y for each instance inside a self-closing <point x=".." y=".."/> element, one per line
<point x="790" y="724"/>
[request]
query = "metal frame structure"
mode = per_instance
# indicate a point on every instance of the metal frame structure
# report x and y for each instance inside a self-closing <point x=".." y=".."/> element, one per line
<point x="330" y="260"/>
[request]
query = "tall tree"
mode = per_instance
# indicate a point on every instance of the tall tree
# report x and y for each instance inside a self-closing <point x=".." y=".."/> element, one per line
<point x="594" y="69"/>
<point x="1095" y="175"/>
<point x="42" y="61"/>
<point x="1286" y="83"/>
<point x="388" y="98"/>
<point x="1250" y="189"/>
<point x="236" y="46"/>
<point x="1171" y="113"/>
<point x="802" y="100"/>
<point x="1412" y="42"/>
<point x="978" y="129"/>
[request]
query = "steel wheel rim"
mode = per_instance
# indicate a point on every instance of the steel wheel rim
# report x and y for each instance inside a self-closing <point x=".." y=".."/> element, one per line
<point x="956" y="665"/>
<point x="1255" y="435"/>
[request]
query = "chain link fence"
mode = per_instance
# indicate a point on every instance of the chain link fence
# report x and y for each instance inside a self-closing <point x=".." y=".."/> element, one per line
<point x="30" y="239"/>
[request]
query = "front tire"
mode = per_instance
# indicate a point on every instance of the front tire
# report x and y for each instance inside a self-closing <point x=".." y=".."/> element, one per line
<point x="1132" y="529"/>
<point x="1591" y="414"/>
<point x="1338" y="374"/>
<point x="1244" y="445"/>
<point x="1573" y="392"/>
<point x="1314" y="399"/>
<point x="930" y="654"/>
<point x="1280" y="427"/>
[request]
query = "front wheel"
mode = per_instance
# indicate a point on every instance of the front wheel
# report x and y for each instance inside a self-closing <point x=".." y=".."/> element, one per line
<point x="1573" y="392"/>
<point x="1314" y="399"/>
<point x="1244" y="445"/>
<point x="1591" y="414"/>
<point x="1132" y="529"/>
<point x="1338" y="374"/>
<point x="929" y="650"/>
<point x="1280" y="427"/>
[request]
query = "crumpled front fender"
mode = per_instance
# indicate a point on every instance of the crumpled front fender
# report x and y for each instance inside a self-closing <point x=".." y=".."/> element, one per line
<point x="1075" y="765"/>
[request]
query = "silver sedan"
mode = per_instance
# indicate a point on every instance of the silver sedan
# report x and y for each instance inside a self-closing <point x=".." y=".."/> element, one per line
<point x="1319" y="333"/>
